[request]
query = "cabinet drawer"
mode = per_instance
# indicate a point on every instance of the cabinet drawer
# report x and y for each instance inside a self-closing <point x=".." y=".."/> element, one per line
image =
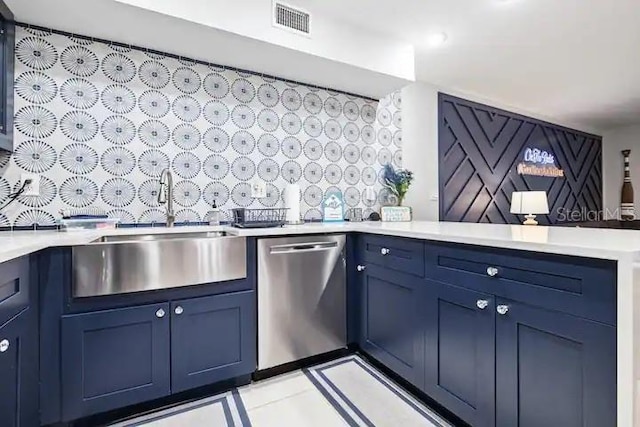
<point x="578" y="286"/>
<point x="14" y="287"/>
<point x="395" y="253"/>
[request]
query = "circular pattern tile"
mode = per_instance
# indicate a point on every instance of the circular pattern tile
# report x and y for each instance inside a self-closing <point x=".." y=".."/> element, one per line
<point x="268" y="170"/>
<point x="78" y="191"/>
<point x="35" y="122"/>
<point x="118" y="130"/>
<point x="243" y="90"/>
<point x="243" y="168"/>
<point x="36" y="87"/>
<point x="216" y="85"/>
<point x="118" y="99"/>
<point x="186" y="80"/>
<point x="154" y="74"/>
<point x="186" y="108"/>
<point x="216" y="167"/>
<point x="79" y="93"/>
<point x="186" y="136"/>
<point x="153" y="133"/>
<point x="243" y="142"/>
<point x="216" y="113"/>
<point x="34" y="156"/>
<point x="186" y="165"/>
<point x="36" y="53"/>
<point x="118" y="192"/>
<point x="118" y="67"/>
<point x="216" y="139"/>
<point x="79" y="159"/>
<point x="79" y="126"/>
<point x="154" y="104"/>
<point x="118" y="161"/>
<point x="243" y="116"/>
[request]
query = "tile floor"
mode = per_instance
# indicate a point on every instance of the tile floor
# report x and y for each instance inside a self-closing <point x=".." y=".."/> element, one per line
<point x="345" y="392"/>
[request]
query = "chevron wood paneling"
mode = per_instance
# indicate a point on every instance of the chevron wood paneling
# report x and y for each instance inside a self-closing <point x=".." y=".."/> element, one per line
<point x="479" y="149"/>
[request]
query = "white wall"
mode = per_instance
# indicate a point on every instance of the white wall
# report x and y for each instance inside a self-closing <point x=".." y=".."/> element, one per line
<point x="420" y="148"/>
<point x="329" y="38"/>
<point x="614" y="141"/>
<point x="420" y="142"/>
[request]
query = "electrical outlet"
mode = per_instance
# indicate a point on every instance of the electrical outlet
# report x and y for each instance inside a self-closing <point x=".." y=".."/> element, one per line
<point x="258" y="189"/>
<point x="32" y="189"/>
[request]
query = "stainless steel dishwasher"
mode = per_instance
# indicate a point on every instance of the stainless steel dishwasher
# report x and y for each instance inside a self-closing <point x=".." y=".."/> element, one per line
<point x="301" y="298"/>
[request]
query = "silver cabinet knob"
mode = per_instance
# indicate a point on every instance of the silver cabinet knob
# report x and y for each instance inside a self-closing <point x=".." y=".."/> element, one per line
<point x="361" y="267"/>
<point x="4" y="346"/>
<point x="482" y="304"/>
<point x="502" y="309"/>
<point x="492" y="271"/>
<point x="160" y="313"/>
<point x="385" y="251"/>
<point x="179" y="310"/>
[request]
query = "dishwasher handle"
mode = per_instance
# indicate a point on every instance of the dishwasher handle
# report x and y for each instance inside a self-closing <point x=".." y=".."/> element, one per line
<point x="296" y="248"/>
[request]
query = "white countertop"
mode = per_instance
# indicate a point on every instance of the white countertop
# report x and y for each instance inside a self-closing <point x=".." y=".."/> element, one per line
<point x="586" y="242"/>
<point x="620" y="245"/>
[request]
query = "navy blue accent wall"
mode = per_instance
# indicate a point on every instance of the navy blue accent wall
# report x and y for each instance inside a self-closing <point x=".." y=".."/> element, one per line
<point x="479" y="149"/>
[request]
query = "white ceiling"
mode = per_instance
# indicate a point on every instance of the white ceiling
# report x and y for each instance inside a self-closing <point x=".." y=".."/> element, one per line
<point x="574" y="60"/>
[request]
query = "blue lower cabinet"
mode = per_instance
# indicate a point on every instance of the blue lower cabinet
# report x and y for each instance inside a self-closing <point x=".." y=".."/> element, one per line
<point x="212" y="339"/>
<point x="460" y="351"/>
<point x="19" y="371"/>
<point x="114" y="358"/>
<point x="390" y="328"/>
<point x="554" y="369"/>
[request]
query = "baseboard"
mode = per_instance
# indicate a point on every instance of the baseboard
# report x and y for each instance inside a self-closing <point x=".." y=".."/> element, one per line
<point x="301" y="364"/>
<point x="134" y="411"/>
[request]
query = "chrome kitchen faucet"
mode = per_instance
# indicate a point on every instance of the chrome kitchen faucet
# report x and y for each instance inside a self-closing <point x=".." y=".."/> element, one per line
<point x="165" y="195"/>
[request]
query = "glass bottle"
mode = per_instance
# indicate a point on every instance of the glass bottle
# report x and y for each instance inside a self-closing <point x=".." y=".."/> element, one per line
<point x="627" y="211"/>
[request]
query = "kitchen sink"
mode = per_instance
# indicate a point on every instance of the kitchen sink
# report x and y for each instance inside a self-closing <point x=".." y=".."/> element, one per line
<point x="157" y="237"/>
<point x="121" y="264"/>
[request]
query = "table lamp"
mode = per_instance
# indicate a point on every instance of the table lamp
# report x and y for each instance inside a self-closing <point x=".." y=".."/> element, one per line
<point x="530" y="204"/>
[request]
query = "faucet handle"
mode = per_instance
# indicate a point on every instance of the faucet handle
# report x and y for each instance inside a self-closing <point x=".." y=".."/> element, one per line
<point x="162" y="195"/>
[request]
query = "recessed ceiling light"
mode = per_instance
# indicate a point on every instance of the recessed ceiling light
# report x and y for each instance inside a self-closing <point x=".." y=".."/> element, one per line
<point x="436" y="39"/>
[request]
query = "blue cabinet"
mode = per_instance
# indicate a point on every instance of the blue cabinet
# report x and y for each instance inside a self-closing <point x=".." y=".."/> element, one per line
<point x="212" y="339"/>
<point x="390" y="327"/>
<point x="553" y="369"/>
<point x="19" y="371"/>
<point x="120" y="357"/>
<point x="460" y="351"/>
<point x="499" y="338"/>
<point x="114" y="358"/>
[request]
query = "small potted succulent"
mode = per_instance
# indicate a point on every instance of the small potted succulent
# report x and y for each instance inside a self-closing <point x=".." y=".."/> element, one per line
<point x="397" y="181"/>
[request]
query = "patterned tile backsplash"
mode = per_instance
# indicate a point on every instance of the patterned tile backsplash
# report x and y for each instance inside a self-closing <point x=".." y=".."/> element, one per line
<point x="99" y="122"/>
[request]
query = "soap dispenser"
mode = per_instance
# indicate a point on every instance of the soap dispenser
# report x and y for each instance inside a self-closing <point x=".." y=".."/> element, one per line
<point x="214" y="215"/>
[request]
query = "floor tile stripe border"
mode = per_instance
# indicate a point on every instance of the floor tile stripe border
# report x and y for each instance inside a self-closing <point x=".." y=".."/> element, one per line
<point x="368" y="369"/>
<point x="332" y="400"/>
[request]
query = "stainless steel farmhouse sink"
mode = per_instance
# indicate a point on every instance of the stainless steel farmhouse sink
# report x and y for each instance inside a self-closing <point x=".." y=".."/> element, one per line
<point x="133" y="263"/>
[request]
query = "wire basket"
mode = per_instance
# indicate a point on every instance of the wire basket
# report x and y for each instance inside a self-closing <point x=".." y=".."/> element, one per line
<point x="259" y="218"/>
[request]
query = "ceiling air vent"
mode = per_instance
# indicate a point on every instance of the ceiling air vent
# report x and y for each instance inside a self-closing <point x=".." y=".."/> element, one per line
<point x="290" y="18"/>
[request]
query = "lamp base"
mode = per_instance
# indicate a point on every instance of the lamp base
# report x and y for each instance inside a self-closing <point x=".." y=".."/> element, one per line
<point x="530" y="220"/>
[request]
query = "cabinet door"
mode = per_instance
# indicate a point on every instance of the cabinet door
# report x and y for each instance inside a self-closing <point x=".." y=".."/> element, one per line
<point x="19" y="372"/>
<point x="460" y="351"/>
<point x="391" y="330"/>
<point x="212" y="339"/>
<point x="553" y="369"/>
<point x="114" y="358"/>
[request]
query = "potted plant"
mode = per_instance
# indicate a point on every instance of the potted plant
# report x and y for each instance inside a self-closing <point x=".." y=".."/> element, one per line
<point x="397" y="181"/>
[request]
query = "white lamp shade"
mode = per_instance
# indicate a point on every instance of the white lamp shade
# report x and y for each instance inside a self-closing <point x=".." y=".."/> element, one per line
<point x="529" y="202"/>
